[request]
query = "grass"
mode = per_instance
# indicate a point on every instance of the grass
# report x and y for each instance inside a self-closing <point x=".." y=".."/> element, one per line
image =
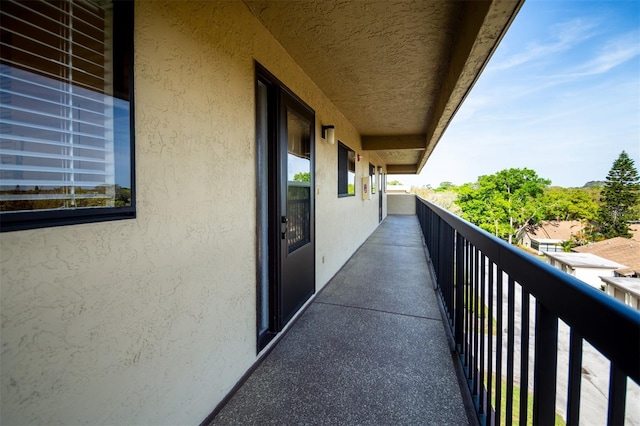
<point x="485" y="311"/>
<point x="516" y="405"/>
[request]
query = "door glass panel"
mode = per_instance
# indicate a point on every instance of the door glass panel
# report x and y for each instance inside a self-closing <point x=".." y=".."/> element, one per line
<point x="298" y="181"/>
<point x="263" y="203"/>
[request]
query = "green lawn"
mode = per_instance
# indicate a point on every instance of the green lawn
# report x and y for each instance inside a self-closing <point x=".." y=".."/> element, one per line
<point x="516" y="406"/>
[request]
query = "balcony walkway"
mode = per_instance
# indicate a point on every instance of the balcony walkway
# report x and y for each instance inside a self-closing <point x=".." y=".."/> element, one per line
<point x="370" y="350"/>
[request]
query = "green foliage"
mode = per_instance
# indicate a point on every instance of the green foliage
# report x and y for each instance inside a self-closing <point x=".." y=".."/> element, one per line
<point x="505" y="202"/>
<point x="394" y="183"/>
<point x="123" y="196"/>
<point x="568" y="204"/>
<point x="559" y="421"/>
<point x="619" y="198"/>
<point x="445" y="186"/>
<point x="302" y="177"/>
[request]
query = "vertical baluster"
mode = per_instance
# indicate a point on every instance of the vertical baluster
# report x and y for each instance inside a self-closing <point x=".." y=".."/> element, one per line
<point x="459" y="294"/>
<point x="447" y="267"/>
<point x="499" y="297"/>
<point x="482" y="403"/>
<point x="510" y="349"/>
<point x="546" y="366"/>
<point x="575" y="378"/>
<point x="524" y="358"/>
<point x="617" y="396"/>
<point x="467" y="305"/>
<point x="451" y="271"/>
<point x="451" y="268"/>
<point x="490" y="339"/>
<point x="476" y="328"/>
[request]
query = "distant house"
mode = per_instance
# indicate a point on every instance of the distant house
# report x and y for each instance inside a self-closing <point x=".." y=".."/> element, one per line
<point x="549" y="235"/>
<point x="622" y="250"/>
<point x="626" y="290"/>
<point x="398" y="189"/>
<point x="584" y="266"/>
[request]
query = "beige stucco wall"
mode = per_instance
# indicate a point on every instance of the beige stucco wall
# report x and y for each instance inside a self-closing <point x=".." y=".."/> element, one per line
<point x="152" y="320"/>
<point x="404" y="204"/>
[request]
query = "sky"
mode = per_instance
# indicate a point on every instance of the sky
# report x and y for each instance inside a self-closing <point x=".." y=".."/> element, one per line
<point x="561" y="96"/>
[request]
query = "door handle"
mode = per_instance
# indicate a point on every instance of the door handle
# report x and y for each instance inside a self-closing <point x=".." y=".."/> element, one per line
<point x="284" y="227"/>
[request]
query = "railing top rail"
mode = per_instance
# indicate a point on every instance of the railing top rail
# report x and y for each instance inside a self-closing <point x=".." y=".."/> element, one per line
<point x="608" y="324"/>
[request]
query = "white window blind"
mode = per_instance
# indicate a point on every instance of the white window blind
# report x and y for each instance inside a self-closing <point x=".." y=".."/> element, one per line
<point x="57" y="113"/>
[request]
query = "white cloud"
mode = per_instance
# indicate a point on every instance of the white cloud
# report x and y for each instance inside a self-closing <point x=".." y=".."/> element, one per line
<point x="567" y="35"/>
<point x="613" y="53"/>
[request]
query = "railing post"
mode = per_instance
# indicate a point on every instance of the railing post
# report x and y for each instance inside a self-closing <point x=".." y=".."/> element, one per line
<point x="575" y="377"/>
<point x="617" y="396"/>
<point x="459" y="309"/>
<point x="546" y="366"/>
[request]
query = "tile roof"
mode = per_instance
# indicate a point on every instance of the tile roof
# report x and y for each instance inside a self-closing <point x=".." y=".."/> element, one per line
<point x="554" y="230"/>
<point x="618" y="249"/>
<point x="584" y="260"/>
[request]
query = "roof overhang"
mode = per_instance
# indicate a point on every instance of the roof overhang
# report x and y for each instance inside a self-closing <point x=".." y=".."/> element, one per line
<point x="397" y="69"/>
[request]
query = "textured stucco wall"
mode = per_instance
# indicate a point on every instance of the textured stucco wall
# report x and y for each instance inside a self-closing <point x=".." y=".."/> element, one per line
<point x="152" y="320"/>
<point x="401" y="204"/>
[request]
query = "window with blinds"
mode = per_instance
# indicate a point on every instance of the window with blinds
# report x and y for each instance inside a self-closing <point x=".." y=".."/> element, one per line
<point x="65" y="114"/>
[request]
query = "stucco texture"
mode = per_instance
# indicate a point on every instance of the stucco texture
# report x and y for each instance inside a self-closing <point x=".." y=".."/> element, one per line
<point x="153" y="320"/>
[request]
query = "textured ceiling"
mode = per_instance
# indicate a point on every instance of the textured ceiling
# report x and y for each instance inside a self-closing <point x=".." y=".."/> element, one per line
<point x="391" y="67"/>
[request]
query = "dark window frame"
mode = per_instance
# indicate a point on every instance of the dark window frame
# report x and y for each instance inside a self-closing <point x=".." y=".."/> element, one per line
<point x="344" y="170"/>
<point x="123" y="82"/>
<point x="372" y="178"/>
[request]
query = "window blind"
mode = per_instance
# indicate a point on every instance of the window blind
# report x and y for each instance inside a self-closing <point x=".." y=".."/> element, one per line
<point x="57" y="112"/>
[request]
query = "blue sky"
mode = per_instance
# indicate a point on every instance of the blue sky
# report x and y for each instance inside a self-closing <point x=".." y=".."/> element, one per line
<point x="561" y="96"/>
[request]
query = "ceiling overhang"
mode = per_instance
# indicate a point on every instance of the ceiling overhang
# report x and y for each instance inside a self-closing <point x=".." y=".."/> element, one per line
<point x="398" y="70"/>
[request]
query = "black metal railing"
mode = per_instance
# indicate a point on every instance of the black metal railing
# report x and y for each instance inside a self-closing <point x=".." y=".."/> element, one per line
<point x="495" y="296"/>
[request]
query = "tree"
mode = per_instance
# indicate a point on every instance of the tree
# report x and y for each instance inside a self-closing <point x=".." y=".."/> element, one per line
<point x="619" y="198"/>
<point x="302" y="177"/>
<point x="569" y="204"/>
<point x="505" y="202"/>
<point x="445" y="186"/>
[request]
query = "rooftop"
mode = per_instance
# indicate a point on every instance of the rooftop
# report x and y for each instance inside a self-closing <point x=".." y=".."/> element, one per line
<point x="621" y="250"/>
<point x="584" y="260"/>
<point x="630" y="284"/>
<point x="554" y="230"/>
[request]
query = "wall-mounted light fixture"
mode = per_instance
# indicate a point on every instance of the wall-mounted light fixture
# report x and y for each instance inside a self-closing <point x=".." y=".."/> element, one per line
<point x="329" y="134"/>
<point x="379" y="169"/>
<point x="358" y="157"/>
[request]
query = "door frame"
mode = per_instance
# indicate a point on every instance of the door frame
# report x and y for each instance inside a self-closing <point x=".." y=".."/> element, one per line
<point x="270" y="173"/>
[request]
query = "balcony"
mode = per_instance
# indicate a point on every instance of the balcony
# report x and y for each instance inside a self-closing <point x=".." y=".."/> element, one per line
<point x="415" y="333"/>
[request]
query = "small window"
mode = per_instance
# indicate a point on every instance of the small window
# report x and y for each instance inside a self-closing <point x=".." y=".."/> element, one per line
<point x="372" y="178"/>
<point x="66" y="140"/>
<point x="346" y="171"/>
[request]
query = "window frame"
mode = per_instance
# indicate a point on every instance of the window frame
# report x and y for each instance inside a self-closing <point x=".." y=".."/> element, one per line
<point x="372" y="178"/>
<point x="123" y="33"/>
<point x="343" y="174"/>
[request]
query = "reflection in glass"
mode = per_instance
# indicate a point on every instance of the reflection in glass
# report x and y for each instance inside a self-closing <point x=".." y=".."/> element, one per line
<point x="64" y="137"/>
<point x="351" y="174"/>
<point x="298" y="181"/>
<point x="262" y="133"/>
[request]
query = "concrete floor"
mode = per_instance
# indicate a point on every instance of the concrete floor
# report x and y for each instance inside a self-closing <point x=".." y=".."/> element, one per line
<point x="370" y="350"/>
